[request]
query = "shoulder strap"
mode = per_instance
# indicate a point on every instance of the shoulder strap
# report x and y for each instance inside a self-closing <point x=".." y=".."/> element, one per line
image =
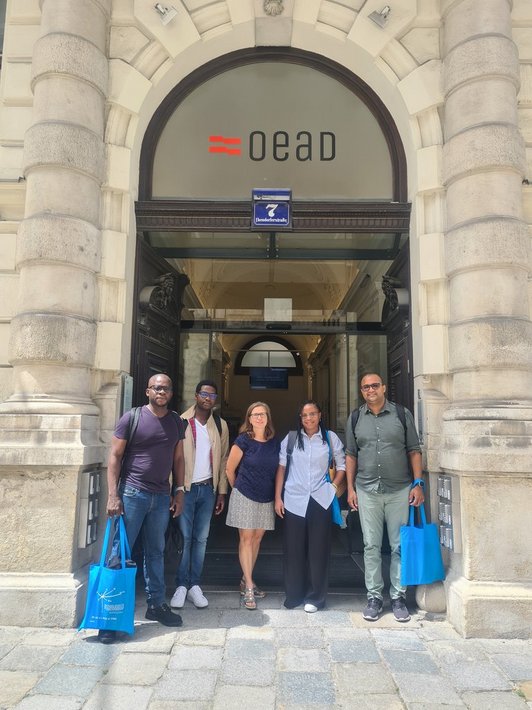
<point x="402" y="417"/>
<point x="134" y="416"/>
<point x="179" y="423"/>
<point x="354" y="419"/>
<point x="292" y="436"/>
<point x="330" y="450"/>
<point x="218" y="422"/>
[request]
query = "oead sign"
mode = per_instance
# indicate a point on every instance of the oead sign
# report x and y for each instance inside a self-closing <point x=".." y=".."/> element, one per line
<point x="271" y="208"/>
<point x="266" y="124"/>
<point x="279" y="146"/>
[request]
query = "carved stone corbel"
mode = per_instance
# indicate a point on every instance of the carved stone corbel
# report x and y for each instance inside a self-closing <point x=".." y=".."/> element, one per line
<point x="273" y="7"/>
<point x="397" y="301"/>
<point x="160" y="295"/>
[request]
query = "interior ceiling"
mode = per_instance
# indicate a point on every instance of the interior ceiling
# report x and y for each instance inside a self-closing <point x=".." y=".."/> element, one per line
<point x="311" y="285"/>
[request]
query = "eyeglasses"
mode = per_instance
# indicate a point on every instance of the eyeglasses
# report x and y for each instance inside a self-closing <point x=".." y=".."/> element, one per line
<point x="207" y="395"/>
<point x="259" y="414"/>
<point x="310" y="414"/>
<point x="160" y="388"/>
<point x="371" y="386"/>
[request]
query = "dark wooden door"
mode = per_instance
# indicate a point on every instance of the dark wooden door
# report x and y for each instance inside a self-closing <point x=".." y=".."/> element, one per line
<point x="158" y="303"/>
<point x="396" y="322"/>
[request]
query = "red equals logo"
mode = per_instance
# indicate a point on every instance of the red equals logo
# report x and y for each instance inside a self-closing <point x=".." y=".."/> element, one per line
<point x="228" y="145"/>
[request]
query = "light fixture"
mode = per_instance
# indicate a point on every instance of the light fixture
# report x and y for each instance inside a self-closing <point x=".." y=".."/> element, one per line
<point x="167" y="14"/>
<point x="381" y="18"/>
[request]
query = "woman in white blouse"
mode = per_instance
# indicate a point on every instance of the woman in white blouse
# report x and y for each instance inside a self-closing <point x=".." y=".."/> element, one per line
<point x="303" y="497"/>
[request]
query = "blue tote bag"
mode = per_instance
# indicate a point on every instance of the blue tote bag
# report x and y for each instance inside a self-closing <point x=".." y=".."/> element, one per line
<point x="421" y="561"/>
<point x="111" y="592"/>
<point x="335" y="506"/>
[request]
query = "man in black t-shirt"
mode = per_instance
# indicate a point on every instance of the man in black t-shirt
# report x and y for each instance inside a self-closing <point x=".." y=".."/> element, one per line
<point x="138" y="474"/>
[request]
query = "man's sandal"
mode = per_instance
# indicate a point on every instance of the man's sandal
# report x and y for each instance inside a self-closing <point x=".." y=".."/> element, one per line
<point x="259" y="593"/>
<point x="249" y="599"/>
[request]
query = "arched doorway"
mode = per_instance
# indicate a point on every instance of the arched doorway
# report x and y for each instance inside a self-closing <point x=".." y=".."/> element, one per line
<point x="273" y="118"/>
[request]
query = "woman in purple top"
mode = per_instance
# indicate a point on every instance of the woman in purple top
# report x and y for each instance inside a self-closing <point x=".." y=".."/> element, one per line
<point x="255" y="453"/>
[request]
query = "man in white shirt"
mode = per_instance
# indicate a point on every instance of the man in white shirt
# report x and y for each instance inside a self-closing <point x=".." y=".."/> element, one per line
<point x="206" y="447"/>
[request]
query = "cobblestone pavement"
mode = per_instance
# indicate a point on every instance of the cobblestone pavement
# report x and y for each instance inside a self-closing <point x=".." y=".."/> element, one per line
<point x="226" y="657"/>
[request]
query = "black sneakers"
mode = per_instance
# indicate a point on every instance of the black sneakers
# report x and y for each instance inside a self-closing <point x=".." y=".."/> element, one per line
<point x="106" y="637"/>
<point x="373" y="609"/>
<point x="164" y="615"/>
<point x="400" y="610"/>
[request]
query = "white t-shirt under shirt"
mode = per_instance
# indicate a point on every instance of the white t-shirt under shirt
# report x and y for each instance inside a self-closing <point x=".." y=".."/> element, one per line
<point x="202" y="463"/>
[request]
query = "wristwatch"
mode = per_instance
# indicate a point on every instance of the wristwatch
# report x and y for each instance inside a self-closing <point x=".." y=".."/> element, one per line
<point x="176" y="489"/>
<point x="418" y="482"/>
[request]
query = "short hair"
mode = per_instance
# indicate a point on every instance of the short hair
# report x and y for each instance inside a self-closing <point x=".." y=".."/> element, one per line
<point x="206" y="383"/>
<point x="161" y="374"/>
<point x="371" y="372"/>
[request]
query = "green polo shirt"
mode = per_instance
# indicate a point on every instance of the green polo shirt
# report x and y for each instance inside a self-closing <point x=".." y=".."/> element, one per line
<point x="379" y="448"/>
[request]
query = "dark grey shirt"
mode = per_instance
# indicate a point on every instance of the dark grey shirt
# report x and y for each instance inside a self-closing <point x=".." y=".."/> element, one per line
<point x="379" y="448"/>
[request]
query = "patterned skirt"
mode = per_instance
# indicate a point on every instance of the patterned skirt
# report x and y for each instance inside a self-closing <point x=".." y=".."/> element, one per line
<point x="248" y="514"/>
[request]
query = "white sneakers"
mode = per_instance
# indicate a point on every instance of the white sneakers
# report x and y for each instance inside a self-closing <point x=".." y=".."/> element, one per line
<point x="178" y="600"/>
<point x="195" y="595"/>
<point x="310" y="608"/>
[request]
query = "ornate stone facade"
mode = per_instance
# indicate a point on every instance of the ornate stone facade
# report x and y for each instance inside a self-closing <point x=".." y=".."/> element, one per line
<point x="80" y="83"/>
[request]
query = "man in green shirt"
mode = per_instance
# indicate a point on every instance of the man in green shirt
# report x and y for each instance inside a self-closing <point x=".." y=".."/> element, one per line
<point x="382" y="456"/>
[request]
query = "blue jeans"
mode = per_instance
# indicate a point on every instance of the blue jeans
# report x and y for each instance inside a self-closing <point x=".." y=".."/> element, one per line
<point x="148" y="512"/>
<point x="194" y="523"/>
<point x="374" y="509"/>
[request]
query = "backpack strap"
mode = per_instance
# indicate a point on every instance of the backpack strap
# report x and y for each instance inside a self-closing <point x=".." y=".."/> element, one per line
<point x="292" y="437"/>
<point x="330" y="449"/>
<point x="354" y="419"/>
<point x="402" y="417"/>
<point x="218" y="422"/>
<point x="179" y="423"/>
<point x="134" y="416"/>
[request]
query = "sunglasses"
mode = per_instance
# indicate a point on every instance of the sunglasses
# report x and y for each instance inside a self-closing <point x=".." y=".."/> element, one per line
<point x="208" y="395"/>
<point x="371" y="386"/>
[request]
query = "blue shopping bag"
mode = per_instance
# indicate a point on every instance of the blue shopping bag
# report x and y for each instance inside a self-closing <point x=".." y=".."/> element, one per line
<point x="111" y="592"/>
<point x="336" y="513"/>
<point x="421" y="561"/>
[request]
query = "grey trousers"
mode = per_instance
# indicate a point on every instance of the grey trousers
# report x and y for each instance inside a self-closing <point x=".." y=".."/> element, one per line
<point x="374" y="510"/>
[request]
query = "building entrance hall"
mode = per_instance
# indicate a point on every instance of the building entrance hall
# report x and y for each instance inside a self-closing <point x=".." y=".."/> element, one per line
<point x="278" y="330"/>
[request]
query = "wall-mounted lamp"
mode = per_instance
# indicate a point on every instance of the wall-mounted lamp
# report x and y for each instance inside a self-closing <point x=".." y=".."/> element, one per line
<point x="166" y="14"/>
<point x="380" y="18"/>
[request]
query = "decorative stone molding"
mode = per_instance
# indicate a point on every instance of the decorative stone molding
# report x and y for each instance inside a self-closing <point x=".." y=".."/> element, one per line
<point x="273" y="7"/>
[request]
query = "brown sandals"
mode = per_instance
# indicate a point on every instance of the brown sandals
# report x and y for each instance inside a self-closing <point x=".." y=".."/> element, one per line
<point x="258" y="593"/>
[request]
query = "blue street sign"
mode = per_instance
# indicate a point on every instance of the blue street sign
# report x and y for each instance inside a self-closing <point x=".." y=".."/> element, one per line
<point x="272" y="208"/>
